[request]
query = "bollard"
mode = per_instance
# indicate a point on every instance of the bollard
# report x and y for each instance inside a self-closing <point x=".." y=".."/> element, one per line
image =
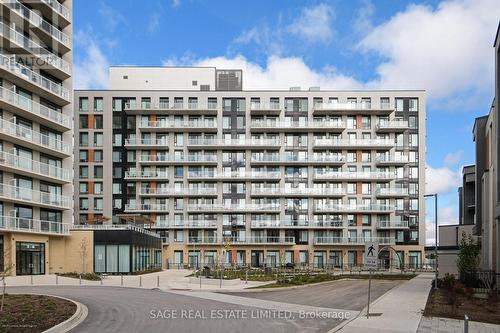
<point x="80" y="278"/>
<point x="246" y="276"/>
<point x="121" y="281"/>
<point x="31" y="279"/>
<point x="101" y="279"/>
<point x="140" y="281"/>
<point x="57" y="279"/>
<point x="158" y="281"/>
<point x="466" y="324"/>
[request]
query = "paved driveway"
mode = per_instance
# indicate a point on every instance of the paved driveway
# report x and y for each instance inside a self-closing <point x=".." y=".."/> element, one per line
<point x="113" y="309"/>
<point x="344" y="294"/>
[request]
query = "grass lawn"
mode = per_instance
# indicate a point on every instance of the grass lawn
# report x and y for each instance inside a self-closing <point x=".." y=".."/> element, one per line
<point x="440" y="304"/>
<point x="304" y="279"/>
<point x="33" y="313"/>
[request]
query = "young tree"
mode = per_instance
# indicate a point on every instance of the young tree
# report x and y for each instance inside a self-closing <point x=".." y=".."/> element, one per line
<point x="7" y="269"/>
<point x="468" y="255"/>
<point x="83" y="252"/>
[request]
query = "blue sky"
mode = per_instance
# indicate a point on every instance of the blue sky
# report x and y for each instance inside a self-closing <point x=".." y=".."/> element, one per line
<point x="444" y="47"/>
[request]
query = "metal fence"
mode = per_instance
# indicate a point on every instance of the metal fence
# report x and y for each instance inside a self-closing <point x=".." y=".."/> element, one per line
<point x="481" y="281"/>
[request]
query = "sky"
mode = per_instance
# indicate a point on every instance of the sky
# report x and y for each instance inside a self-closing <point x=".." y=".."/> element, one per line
<point x="443" y="47"/>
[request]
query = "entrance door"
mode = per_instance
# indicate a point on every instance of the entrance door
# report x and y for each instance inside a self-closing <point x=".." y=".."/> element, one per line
<point x="30" y="258"/>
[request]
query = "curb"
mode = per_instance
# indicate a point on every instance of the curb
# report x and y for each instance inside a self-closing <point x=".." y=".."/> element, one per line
<point x="70" y="323"/>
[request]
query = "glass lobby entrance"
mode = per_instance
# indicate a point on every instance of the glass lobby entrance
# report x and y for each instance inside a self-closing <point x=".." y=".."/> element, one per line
<point x="30" y="258"/>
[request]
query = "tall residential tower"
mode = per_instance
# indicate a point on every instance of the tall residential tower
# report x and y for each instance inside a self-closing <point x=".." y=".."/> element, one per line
<point x="252" y="177"/>
<point x="36" y="154"/>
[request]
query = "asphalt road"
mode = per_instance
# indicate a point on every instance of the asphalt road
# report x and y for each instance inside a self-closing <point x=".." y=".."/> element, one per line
<point x="115" y="309"/>
<point x="350" y="295"/>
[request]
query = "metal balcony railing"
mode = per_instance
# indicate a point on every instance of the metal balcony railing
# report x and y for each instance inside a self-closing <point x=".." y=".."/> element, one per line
<point x="10" y="223"/>
<point x="131" y="174"/>
<point x="352" y="241"/>
<point x="35" y="197"/>
<point x="35" y="167"/>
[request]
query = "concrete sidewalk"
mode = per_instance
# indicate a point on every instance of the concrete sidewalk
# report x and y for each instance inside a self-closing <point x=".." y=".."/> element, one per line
<point x="448" y="325"/>
<point x="166" y="280"/>
<point x="399" y="310"/>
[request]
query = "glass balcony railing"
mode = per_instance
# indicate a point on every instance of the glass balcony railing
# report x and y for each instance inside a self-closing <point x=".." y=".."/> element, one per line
<point x="396" y="224"/>
<point x="354" y="175"/>
<point x="47" y="56"/>
<point x="9" y="64"/>
<point x="298" y="124"/>
<point x="354" y="142"/>
<point x="178" y="191"/>
<point x="154" y="207"/>
<point x="146" y="142"/>
<point x="395" y="191"/>
<point x="352" y="240"/>
<point x="203" y="240"/>
<point x="27" y="134"/>
<point x="393" y="124"/>
<point x="58" y="8"/>
<point x="35" y="167"/>
<point x="10" y="223"/>
<point x="351" y="106"/>
<point x="263" y="240"/>
<point x="35" y="197"/>
<point x="40" y="110"/>
<point x="354" y="208"/>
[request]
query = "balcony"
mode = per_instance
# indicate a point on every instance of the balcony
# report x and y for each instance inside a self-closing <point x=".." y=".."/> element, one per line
<point x="235" y="176"/>
<point x="392" y="192"/>
<point x="25" y="107"/>
<point x="38" y="22"/>
<point x="55" y="64"/>
<point x="48" y="7"/>
<point x="335" y="224"/>
<point x="34" y="140"/>
<point x="292" y="159"/>
<point x="360" y="208"/>
<point x="266" y="224"/>
<point x="359" y="176"/>
<point x="203" y="240"/>
<point x="265" y="109"/>
<point x="145" y="175"/>
<point x="172" y="191"/>
<point x="181" y="126"/>
<point x="392" y="126"/>
<point x="392" y="160"/>
<point x="233" y="143"/>
<point x="36" y="198"/>
<point x="146" y="143"/>
<point x="297" y="126"/>
<point x="397" y="224"/>
<point x="24" y="166"/>
<point x="9" y="223"/>
<point x="233" y="208"/>
<point x="263" y="241"/>
<point x="31" y="80"/>
<point x="353" y="241"/>
<point x="175" y="108"/>
<point x="354" y="143"/>
<point x="303" y="192"/>
<point x="172" y="159"/>
<point x="146" y="208"/>
<point x="352" y="107"/>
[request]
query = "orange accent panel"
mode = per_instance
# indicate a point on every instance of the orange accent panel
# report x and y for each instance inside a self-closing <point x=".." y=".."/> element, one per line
<point x="90" y="218"/>
<point x="296" y="256"/>
<point x="359" y="254"/>
<point x="359" y="123"/>
<point x="359" y="219"/>
<point x="91" y="120"/>
<point x="359" y="187"/>
<point x="153" y="185"/>
<point x="91" y="155"/>
<point x="91" y="187"/>
<point x="152" y="117"/>
<point x="359" y="155"/>
<point x="233" y="256"/>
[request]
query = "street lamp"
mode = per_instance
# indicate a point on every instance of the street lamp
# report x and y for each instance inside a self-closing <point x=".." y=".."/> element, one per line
<point x="436" y="233"/>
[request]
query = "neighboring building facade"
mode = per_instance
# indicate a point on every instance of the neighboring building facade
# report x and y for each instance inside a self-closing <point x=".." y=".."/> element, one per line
<point x="252" y="177"/>
<point x="449" y="241"/>
<point x="36" y="134"/>
<point x="467" y="196"/>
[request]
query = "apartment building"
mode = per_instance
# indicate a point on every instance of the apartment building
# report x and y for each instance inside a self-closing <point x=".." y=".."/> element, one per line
<point x="467" y="196"/>
<point x="227" y="175"/>
<point x="36" y="134"/>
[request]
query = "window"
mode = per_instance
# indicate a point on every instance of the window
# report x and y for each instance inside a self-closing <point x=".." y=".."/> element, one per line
<point x="117" y="156"/>
<point x="84" y="104"/>
<point x="117" y="188"/>
<point x="117" y="122"/>
<point x="84" y="172"/>
<point x="84" y="203"/>
<point x="84" y="139"/>
<point x="98" y="188"/>
<point x="98" y="122"/>
<point x="98" y="203"/>
<point x="117" y="203"/>
<point x="84" y="121"/>
<point x="84" y="156"/>
<point x="98" y="104"/>
<point x="84" y="188"/>
<point x="98" y="171"/>
<point x="178" y="172"/>
<point x="97" y="155"/>
<point x="98" y="139"/>
<point x="399" y="104"/>
<point x="117" y="172"/>
<point x="117" y="139"/>
<point x="413" y="105"/>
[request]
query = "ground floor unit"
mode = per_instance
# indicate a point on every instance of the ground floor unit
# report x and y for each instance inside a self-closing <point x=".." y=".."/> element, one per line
<point x="110" y="250"/>
<point x="297" y="256"/>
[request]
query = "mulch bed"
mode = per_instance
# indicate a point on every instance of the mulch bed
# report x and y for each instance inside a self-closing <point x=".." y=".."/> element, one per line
<point x="476" y="309"/>
<point x="33" y="313"/>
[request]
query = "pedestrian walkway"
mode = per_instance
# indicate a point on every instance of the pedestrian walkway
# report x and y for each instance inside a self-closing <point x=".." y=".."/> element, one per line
<point x="165" y="280"/>
<point x="447" y="325"/>
<point x="398" y="311"/>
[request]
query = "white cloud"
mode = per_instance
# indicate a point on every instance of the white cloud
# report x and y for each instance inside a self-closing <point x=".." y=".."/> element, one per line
<point x="279" y="73"/>
<point x="441" y="180"/>
<point x="154" y="22"/>
<point x="453" y="158"/>
<point x="176" y="3"/>
<point x="314" y="24"/>
<point x="112" y="18"/>
<point x="91" y="71"/>
<point x="446" y="50"/>
<point x="363" y="23"/>
<point x="446" y="216"/>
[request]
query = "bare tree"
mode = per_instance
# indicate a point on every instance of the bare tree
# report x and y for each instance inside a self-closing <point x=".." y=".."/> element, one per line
<point x="7" y="269"/>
